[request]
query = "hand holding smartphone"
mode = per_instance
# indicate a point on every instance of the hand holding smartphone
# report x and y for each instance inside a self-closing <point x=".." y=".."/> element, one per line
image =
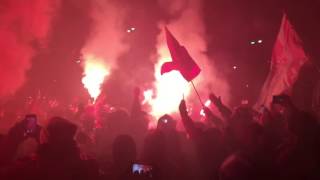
<point x="142" y="170"/>
<point x="31" y="124"/>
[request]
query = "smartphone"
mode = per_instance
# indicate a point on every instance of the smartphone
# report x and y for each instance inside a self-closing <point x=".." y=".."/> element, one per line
<point x="31" y="123"/>
<point x="142" y="169"/>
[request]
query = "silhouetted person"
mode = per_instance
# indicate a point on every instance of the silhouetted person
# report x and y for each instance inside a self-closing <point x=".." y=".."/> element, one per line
<point x="27" y="128"/>
<point x="138" y="120"/>
<point x="209" y="145"/>
<point x="124" y="155"/>
<point x="154" y="154"/>
<point x="173" y="141"/>
<point x="114" y="123"/>
<point x="59" y="158"/>
<point x="299" y="158"/>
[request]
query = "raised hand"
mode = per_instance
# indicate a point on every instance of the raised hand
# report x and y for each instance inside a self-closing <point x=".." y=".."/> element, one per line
<point x="224" y="110"/>
<point x="209" y="114"/>
<point x="187" y="121"/>
<point x="183" y="108"/>
<point x="216" y="100"/>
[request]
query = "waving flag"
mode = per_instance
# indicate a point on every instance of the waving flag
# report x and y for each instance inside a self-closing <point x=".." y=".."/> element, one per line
<point x="287" y="59"/>
<point x="181" y="60"/>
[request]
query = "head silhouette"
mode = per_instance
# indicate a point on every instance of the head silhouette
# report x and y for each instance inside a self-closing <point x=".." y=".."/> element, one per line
<point x="166" y="122"/>
<point x="124" y="149"/>
<point x="60" y="130"/>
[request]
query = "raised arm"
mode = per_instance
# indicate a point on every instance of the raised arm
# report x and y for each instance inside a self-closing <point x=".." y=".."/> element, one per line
<point x="212" y="117"/>
<point x="187" y="121"/>
<point x="223" y="109"/>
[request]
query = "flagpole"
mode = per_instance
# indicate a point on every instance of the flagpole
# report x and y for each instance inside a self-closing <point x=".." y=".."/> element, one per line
<point x="197" y="93"/>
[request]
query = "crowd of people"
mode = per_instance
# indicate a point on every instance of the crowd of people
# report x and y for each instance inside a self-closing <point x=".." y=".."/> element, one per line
<point x="277" y="142"/>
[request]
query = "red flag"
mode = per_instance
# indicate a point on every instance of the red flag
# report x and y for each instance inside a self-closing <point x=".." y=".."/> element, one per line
<point x="181" y="60"/>
<point x="287" y="58"/>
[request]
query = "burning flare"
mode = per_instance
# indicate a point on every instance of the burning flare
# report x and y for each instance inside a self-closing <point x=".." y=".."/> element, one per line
<point x="170" y="88"/>
<point x="94" y="75"/>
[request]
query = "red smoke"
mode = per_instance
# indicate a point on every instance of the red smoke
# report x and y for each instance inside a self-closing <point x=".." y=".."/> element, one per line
<point x="23" y="24"/>
<point x="104" y="45"/>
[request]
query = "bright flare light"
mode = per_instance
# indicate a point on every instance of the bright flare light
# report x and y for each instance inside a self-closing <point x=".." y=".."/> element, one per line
<point x="94" y="75"/>
<point x="170" y="88"/>
<point x="147" y="96"/>
<point x="206" y="104"/>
